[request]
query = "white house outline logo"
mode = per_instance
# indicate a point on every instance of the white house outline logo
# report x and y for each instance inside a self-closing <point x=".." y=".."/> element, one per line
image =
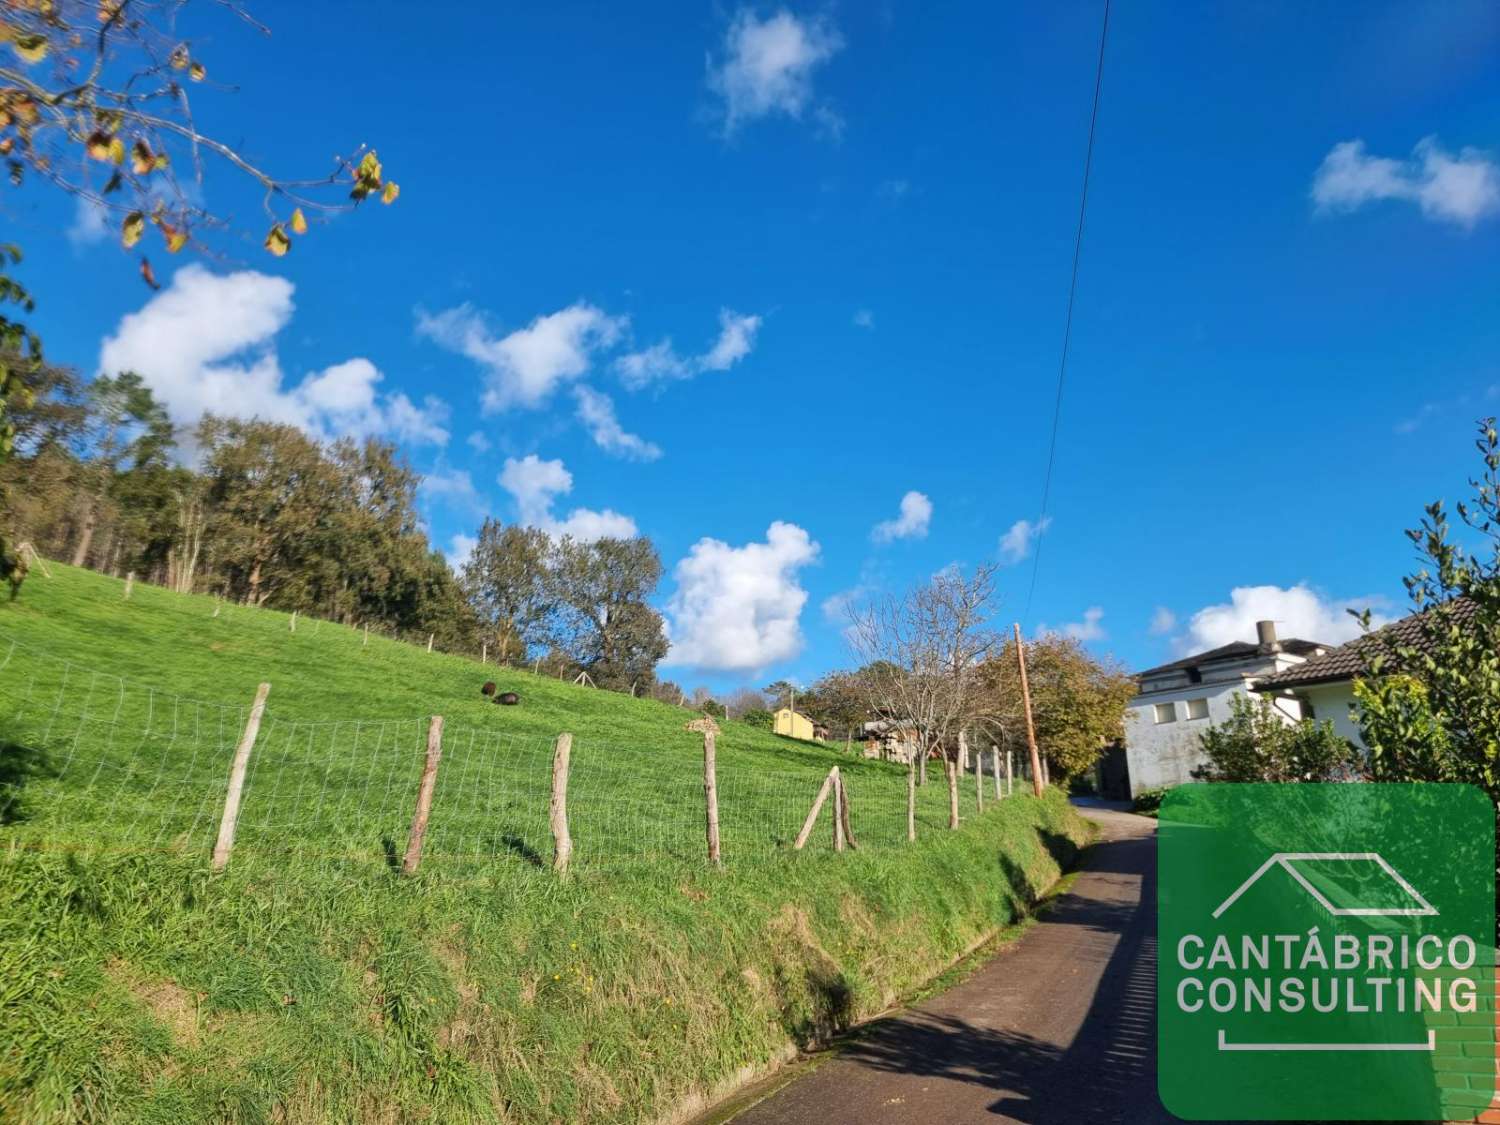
<point x="1285" y="860"/>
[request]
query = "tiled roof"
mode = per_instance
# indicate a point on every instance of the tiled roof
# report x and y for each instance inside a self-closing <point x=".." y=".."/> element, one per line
<point x="1348" y="660"/>
<point x="1235" y="650"/>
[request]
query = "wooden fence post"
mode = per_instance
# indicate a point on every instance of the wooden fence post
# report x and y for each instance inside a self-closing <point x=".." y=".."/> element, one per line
<point x="843" y="811"/>
<point x="710" y="730"/>
<point x="484" y="653"/>
<point x="367" y="635"/>
<point x="979" y="778"/>
<point x="231" y="817"/>
<point x="562" y="841"/>
<point x="817" y="807"/>
<point x="292" y="624"/>
<point x="129" y="584"/>
<point x="995" y="771"/>
<point x="1010" y="774"/>
<point x="838" y="804"/>
<point x="424" y="797"/>
<point x="911" y="801"/>
<point x="429" y="641"/>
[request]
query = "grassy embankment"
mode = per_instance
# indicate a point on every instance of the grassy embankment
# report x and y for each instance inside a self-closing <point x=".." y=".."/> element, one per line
<point x="311" y="983"/>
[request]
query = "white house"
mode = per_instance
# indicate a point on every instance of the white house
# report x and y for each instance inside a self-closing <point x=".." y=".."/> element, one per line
<point x="1176" y="702"/>
<point x="1323" y="685"/>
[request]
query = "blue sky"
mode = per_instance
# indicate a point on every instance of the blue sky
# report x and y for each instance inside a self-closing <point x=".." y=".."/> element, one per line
<point x="854" y="223"/>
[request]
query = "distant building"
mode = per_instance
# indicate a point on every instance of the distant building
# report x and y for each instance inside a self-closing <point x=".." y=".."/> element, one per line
<point x="1323" y="685"/>
<point x="1177" y="702"/>
<point x="794" y="724"/>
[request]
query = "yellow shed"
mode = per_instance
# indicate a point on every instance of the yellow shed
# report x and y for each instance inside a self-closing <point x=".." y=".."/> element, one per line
<point x="794" y="725"/>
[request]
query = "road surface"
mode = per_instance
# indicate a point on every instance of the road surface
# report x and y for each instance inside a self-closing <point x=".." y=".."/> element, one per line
<point x="1058" y="1030"/>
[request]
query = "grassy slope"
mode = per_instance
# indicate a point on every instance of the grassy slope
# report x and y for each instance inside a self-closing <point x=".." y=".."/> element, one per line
<point x="135" y="986"/>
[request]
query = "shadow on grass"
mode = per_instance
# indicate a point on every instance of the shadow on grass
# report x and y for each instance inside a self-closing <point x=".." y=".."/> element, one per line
<point x="19" y="765"/>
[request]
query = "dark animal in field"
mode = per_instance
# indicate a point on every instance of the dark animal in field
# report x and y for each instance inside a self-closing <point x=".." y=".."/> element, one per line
<point x="13" y="569"/>
<point x="488" y="689"/>
<point x="507" y="699"/>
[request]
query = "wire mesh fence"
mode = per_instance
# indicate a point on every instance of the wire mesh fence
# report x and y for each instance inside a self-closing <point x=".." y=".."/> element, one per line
<point x="90" y="760"/>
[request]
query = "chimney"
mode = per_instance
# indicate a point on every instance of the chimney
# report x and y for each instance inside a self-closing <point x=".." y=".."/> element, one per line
<point x="1265" y="631"/>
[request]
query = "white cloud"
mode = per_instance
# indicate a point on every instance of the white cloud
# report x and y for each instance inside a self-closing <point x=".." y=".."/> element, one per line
<point x="738" y="608"/>
<point x="1089" y="629"/>
<point x="736" y="339"/>
<point x="90" y="223"/>
<point x="767" y="68"/>
<point x="1162" y="621"/>
<point x="526" y="366"/>
<point x="453" y="488"/>
<point x="597" y="412"/>
<point x="1461" y="189"/>
<point x="460" y="547"/>
<point x="206" y="344"/>
<point x="1016" y="543"/>
<point x="535" y="485"/>
<point x="864" y="318"/>
<point x="478" y="442"/>
<point x="1298" y="611"/>
<point x="912" y="523"/>
<point x="660" y="362"/>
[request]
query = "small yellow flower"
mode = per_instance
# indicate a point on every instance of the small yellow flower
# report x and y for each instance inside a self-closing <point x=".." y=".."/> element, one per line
<point x="574" y="945"/>
<point x="668" y="1001"/>
<point x="557" y="976"/>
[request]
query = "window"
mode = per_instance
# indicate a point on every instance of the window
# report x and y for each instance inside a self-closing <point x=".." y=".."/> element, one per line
<point x="1197" y="708"/>
<point x="1166" y="712"/>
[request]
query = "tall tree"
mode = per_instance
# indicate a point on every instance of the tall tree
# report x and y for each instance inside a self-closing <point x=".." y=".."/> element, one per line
<point x="127" y="422"/>
<point x="271" y="490"/>
<point x="604" y="621"/>
<point x="508" y="580"/>
<point x="1078" y="702"/>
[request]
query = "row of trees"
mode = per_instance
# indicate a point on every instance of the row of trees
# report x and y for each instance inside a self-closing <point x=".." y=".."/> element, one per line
<point x="268" y="516"/>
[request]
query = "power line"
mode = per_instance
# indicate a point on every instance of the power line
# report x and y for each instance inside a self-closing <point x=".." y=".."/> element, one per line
<point x="1062" y="370"/>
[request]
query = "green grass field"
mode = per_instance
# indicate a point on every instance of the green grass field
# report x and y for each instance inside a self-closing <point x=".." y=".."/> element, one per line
<point x="311" y="983"/>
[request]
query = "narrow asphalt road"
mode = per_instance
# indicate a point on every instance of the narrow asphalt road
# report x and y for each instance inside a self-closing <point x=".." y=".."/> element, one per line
<point x="1061" y="1028"/>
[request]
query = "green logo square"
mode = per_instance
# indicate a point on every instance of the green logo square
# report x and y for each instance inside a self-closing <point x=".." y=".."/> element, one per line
<point x="1327" y="952"/>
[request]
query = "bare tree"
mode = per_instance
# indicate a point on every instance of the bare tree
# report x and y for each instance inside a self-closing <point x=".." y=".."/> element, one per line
<point x="921" y="652"/>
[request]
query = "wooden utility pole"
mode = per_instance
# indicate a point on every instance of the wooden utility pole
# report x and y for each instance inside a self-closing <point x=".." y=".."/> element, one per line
<point x="241" y="762"/>
<point x="562" y="839"/>
<point x="1036" y="762"/>
<point x="424" y="797"/>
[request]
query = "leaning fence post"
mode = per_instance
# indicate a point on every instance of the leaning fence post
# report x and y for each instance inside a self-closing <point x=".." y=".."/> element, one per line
<point x="424" y="797"/>
<point x="292" y="625"/>
<point x="562" y="840"/>
<point x="838" y="804"/>
<point x="231" y="817"/>
<point x="843" y="812"/>
<point x="710" y="731"/>
<point x="429" y="641"/>
<point x="817" y="807"/>
<point x="911" y="801"/>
